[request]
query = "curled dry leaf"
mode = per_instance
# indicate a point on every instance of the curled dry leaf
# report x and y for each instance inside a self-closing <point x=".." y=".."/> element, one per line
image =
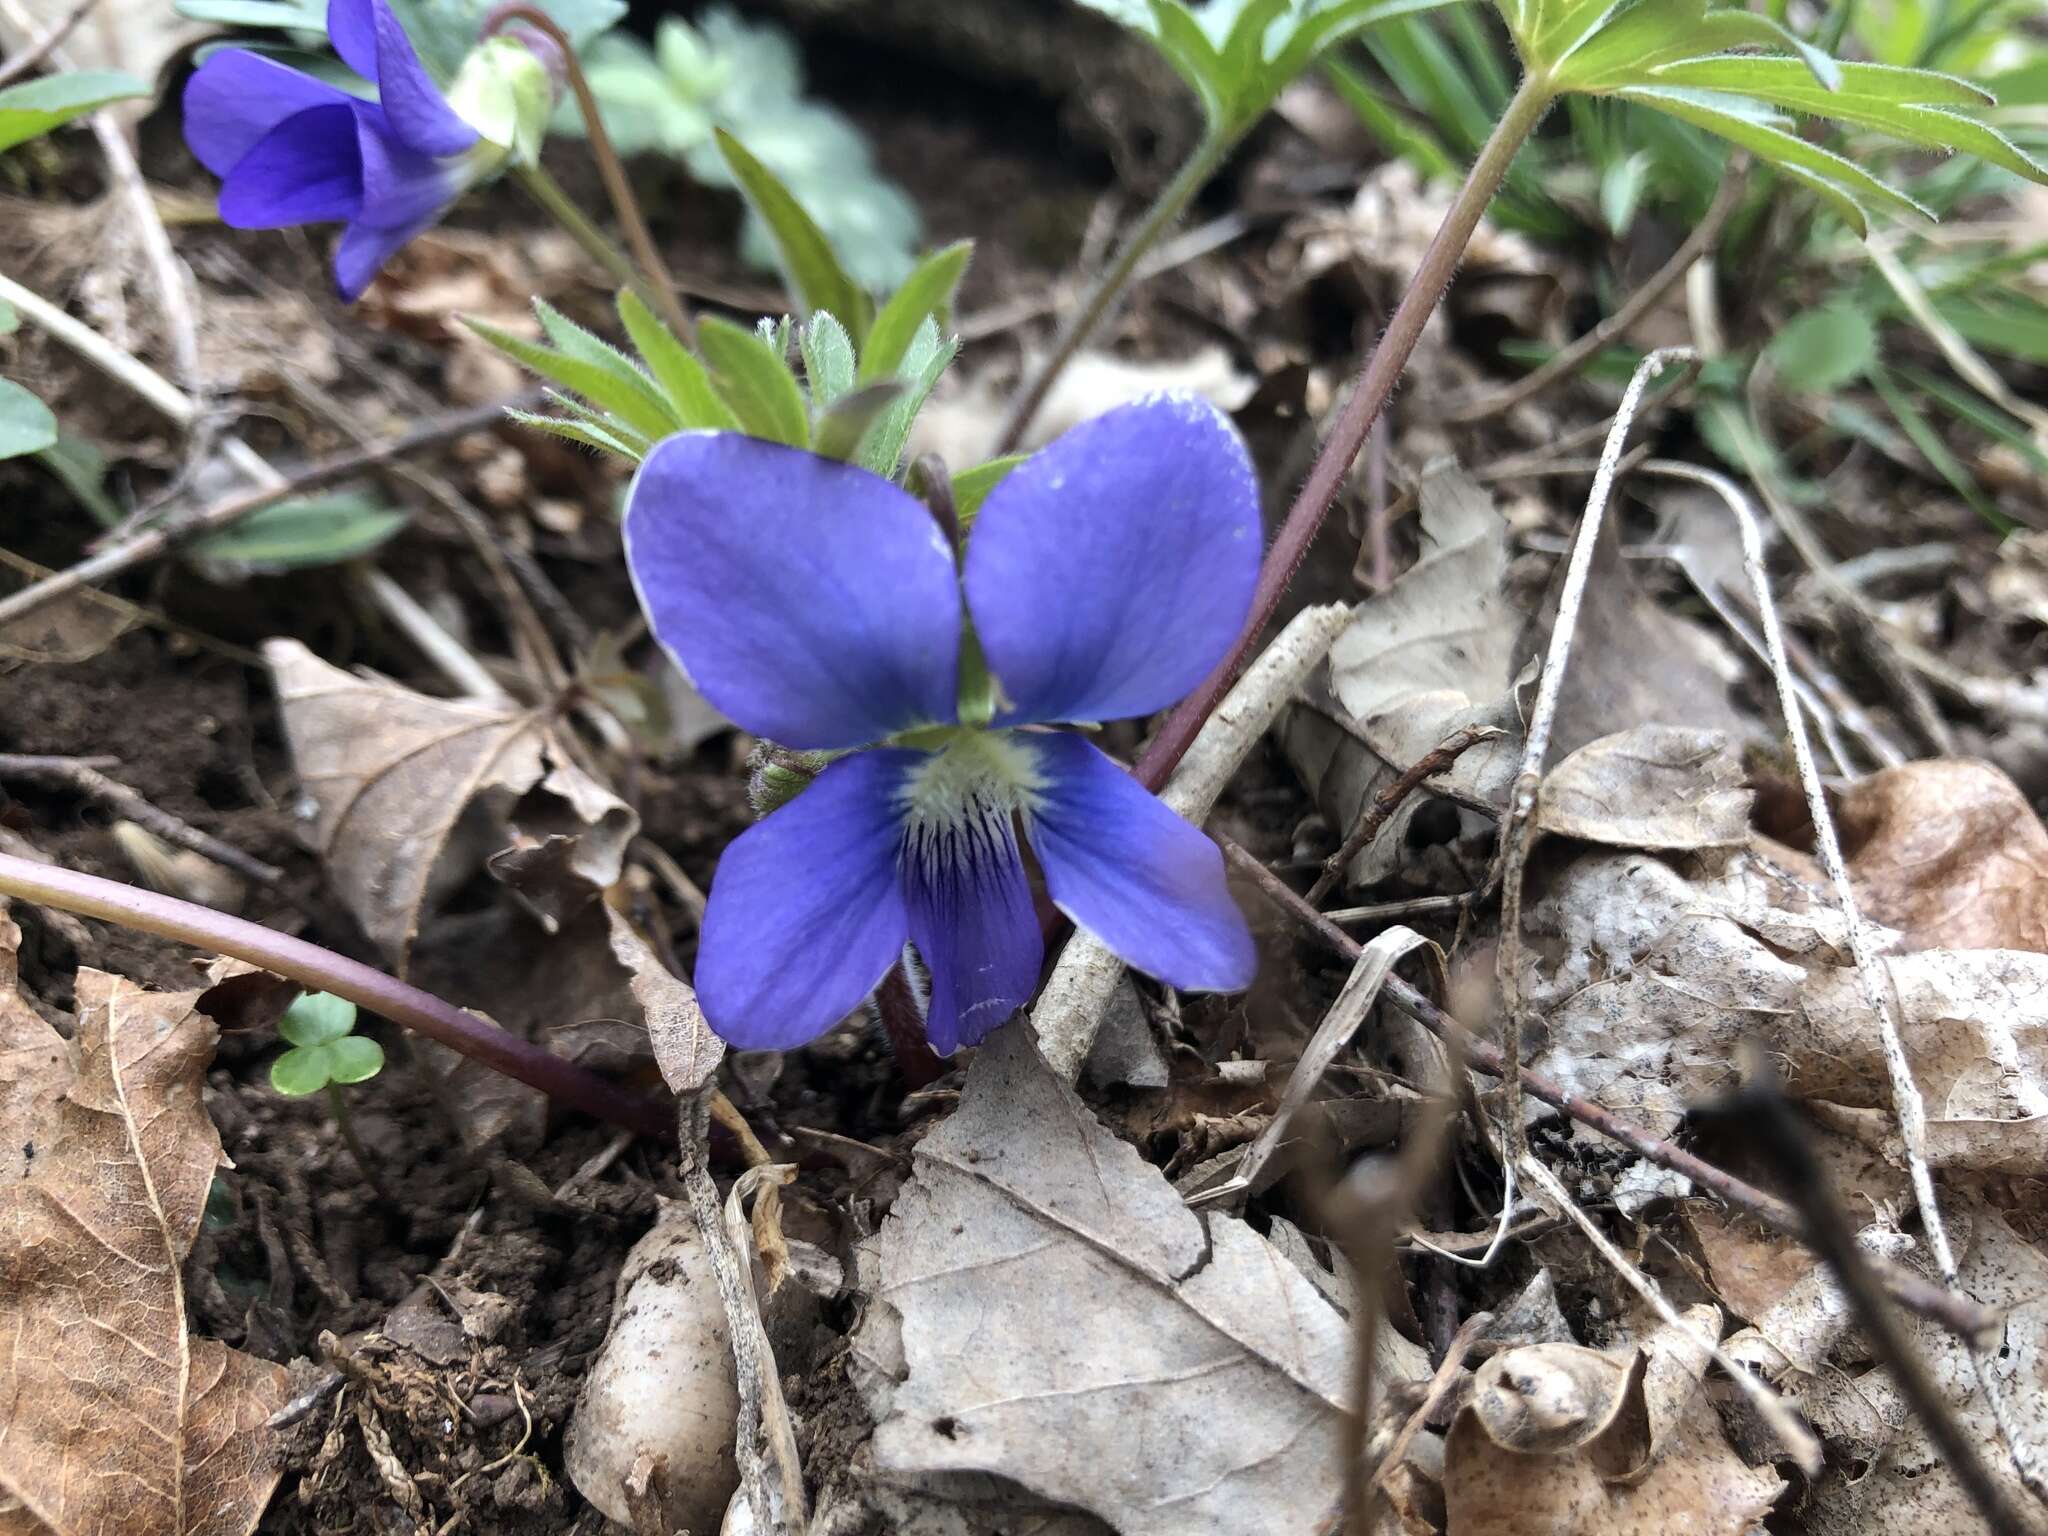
<point x="1950" y="853"/>
<point x="1558" y="1438"/>
<point x="413" y="794"/>
<point x="1053" y="1292"/>
<point x="116" y="1420"/>
<point x="1656" y="786"/>
<point x="1433" y="654"/>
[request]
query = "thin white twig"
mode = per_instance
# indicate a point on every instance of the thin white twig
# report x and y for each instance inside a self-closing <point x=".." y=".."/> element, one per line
<point x="448" y="654"/>
<point x="111" y="360"/>
<point x="1517" y="832"/>
<point x="1797" y="1439"/>
<point x="1071" y="1006"/>
<point x="1906" y="1100"/>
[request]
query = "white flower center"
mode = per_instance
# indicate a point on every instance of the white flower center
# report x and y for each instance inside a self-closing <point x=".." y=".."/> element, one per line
<point x="963" y="795"/>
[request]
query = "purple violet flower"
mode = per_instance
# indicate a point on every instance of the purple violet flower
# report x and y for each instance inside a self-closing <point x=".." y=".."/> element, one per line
<point x="290" y="149"/>
<point x="820" y="606"/>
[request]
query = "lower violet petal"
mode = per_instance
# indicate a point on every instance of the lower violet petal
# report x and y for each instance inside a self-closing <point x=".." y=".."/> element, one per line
<point x="972" y="921"/>
<point x="805" y="914"/>
<point x="1138" y="877"/>
<point x="306" y="170"/>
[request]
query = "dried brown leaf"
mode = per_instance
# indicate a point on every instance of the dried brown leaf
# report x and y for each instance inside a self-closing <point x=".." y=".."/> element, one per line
<point x="413" y="794"/>
<point x="116" y="1420"/>
<point x="1950" y="853"/>
<point x="1655" y="786"/>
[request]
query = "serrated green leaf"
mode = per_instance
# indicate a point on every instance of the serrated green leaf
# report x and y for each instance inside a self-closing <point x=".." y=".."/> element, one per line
<point x="26" y="425"/>
<point x="314" y="1018"/>
<point x="303" y="534"/>
<point x="809" y="264"/>
<point x="356" y="1059"/>
<point x="1823" y="349"/>
<point x="971" y="486"/>
<point x="755" y="383"/>
<point x="630" y="398"/>
<point x="675" y="367"/>
<point x="926" y="293"/>
<point x="300" y="1071"/>
<point x="34" y="107"/>
<point x="839" y="430"/>
<point x="829" y="367"/>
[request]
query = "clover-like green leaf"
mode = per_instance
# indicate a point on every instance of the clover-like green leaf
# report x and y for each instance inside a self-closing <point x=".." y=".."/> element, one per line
<point x="315" y="1018"/>
<point x="353" y="1059"/>
<point x="1823" y="348"/>
<point x="300" y="1071"/>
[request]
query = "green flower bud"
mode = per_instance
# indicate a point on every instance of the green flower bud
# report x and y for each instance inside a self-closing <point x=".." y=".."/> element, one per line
<point x="506" y="91"/>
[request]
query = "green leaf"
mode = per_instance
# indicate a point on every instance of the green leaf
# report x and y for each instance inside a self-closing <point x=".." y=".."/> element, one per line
<point x="34" y="107"/>
<point x="829" y="367"/>
<point x="299" y="535"/>
<point x="1936" y="452"/>
<point x="1823" y="349"/>
<point x="757" y="384"/>
<point x="633" y="449"/>
<point x="842" y="425"/>
<point x="926" y="293"/>
<point x="881" y="451"/>
<point x="1987" y="418"/>
<point x="971" y="486"/>
<point x="300" y="1072"/>
<point x="676" y="369"/>
<point x="356" y="1059"/>
<point x="445" y="30"/>
<point x="1622" y="185"/>
<point x="806" y="257"/>
<point x="26" y="425"/>
<point x="315" y="1018"/>
<point x="628" y="395"/>
<point x="286" y="15"/>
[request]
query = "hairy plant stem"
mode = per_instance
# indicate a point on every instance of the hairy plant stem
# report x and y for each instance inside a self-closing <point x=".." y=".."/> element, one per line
<point x="655" y="285"/>
<point x="1165" y="211"/>
<point x="337" y="1105"/>
<point x="1368" y="397"/>
<point x="322" y="970"/>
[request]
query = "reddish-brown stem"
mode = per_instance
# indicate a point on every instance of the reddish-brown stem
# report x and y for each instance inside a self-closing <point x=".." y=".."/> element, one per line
<point x="1368" y="397"/>
<point x="322" y="970"/>
<point x="903" y="1022"/>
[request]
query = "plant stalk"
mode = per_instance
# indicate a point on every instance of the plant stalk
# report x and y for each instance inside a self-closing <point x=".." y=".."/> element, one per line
<point x="1164" y="213"/>
<point x="321" y="970"/>
<point x="1368" y="397"/>
<point x="662" y="297"/>
<point x="337" y="1105"/>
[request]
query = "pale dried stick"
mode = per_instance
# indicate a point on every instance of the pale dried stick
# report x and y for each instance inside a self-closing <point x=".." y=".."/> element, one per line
<point x="1517" y="832"/>
<point x="1795" y="1437"/>
<point x="778" y="1429"/>
<point x="1906" y="1100"/>
<point x="1070" y="1007"/>
<point x="115" y="362"/>
<point x="40" y="48"/>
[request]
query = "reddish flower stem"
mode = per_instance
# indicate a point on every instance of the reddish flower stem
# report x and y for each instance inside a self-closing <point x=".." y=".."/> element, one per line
<point x="322" y="970"/>
<point x="1368" y="397"/>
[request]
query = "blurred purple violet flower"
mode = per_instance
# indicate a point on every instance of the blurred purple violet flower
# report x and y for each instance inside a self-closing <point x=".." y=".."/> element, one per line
<point x="821" y="607"/>
<point x="290" y="149"/>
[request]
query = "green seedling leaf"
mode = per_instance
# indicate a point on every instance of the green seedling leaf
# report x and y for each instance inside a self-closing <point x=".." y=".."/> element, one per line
<point x="300" y="535"/>
<point x="675" y="367"/>
<point x="971" y="486"/>
<point x="34" y="107"/>
<point x="841" y="427"/>
<point x="755" y="383"/>
<point x="829" y="367"/>
<point x="316" y="1018"/>
<point x="1823" y="349"/>
<point x="355" y="1059"/>
<point x="627" y="445"/>
<point x="26" y="425"/>
<point x="300" y="1072"/>
<point x="805" y="256"/>
<point x="926" y="294"/>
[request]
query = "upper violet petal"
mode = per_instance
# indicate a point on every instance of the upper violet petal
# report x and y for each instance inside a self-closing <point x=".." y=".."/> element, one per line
<point x="1113" y="568"/>
<point x="806" y="914"/>
<point x="401" y="186"/>
<point x="812" y="602"/>
<point x="373" y="43"/>
<point x="236" y="98"/>
<point x="972" y="921"/>
<point x="304" y="171"/>
<point x="1124" y="867"/>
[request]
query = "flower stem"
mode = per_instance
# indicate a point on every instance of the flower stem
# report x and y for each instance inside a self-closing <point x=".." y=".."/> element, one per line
<point x="337" y="1105"/>
<point x="1369" y="395"/>
<point x="1165" y="211"/>
<point x="655" y="284"/>
<point x="321" y="970"/>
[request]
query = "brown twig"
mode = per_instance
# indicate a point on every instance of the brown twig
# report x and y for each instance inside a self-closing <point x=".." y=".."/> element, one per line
<point x="1376" y="381"/>
<point x="148" y="543"/>
<point x="1388" y="800"/>
<point x="1638" y="304"/>
<point x="1959" y="1314"/>
<point x="83" y="775"/>
<point x="42" y="47"/>
<point x="902" y="1017"/>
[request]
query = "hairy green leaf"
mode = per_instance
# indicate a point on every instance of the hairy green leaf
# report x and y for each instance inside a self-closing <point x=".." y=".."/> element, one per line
<point x="691" y="394"/>
<point x="829" y="367"/>
<point x="625" y="392"/>
<point x="806" y="257"/>
<point x="927" y="292"/>
<point x="756" y="383"/>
